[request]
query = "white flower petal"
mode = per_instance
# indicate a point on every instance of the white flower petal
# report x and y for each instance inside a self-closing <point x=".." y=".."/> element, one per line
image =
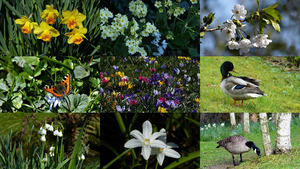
<point x="146" y="151"/>
<point x="160" y="158"/>
<point x="133" y="143"/>
<point x="172" y="145"/>
<point x="158" y="144"/>
<point x="156" y="135"/>
<point x="171" y="153"/>
<point x="138" y="135"/>
<point x="147" y="129"/>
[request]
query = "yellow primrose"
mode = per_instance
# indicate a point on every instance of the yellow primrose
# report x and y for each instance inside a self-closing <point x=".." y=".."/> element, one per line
<point x="197" y="101"/>
<point x="50" y="14"/>
<point x="25" y="24"/>
<point x="45" y="32"/>
<point x="72" y="19"/>
<point x="76" y="36"/>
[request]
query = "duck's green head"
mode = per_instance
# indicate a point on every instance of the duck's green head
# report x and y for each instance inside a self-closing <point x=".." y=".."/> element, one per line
<point x="225" y="68"/>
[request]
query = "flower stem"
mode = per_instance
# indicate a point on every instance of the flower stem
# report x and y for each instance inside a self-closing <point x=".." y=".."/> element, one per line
<point x="156" y="165"/>
<point x="146" y="164"/>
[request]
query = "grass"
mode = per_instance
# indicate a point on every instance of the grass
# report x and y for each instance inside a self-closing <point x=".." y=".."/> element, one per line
<point x="210" y="156"/>
<point x="282" y="87"/>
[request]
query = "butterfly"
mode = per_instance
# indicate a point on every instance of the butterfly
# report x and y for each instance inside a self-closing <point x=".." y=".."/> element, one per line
<point x="62" y="89"/>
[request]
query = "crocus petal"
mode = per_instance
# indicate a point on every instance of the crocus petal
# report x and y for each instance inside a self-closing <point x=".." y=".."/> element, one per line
<point x="147" y="129"/>
<point x="158" y="144"/>
<point x="160" y="158"/>
<point x="146" y="151"/>
<point x="171" y="153"/>
<point x="133" y="143"/>
<point x="138" y="135"/>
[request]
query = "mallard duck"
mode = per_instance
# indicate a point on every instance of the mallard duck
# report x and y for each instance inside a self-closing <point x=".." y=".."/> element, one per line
<point x="238" y="87"/>
<point x="238" y="145"/>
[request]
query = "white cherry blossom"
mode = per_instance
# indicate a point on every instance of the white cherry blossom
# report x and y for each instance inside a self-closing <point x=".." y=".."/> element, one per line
<point x="245" y="46"/>
<point x="261" y="41"/>
<point x="239" y="12"/>
<point x="232" y="45"/>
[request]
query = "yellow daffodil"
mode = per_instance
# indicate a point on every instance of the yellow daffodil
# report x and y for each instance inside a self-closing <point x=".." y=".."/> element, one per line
<point x="162" y="110"/>
<point x="50" y="14"/>
<point x="45" y="32"/>
<point x="72" y="19"/>
<point x="76" y="36"/>
<point x="25" y="24"/>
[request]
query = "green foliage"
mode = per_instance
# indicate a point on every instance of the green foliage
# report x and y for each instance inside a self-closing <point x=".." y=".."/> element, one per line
<point x="208" y="20"/>
<point x="14" y="43"/>
<point x="23" y="78"/>
<point x="270" y="15"/>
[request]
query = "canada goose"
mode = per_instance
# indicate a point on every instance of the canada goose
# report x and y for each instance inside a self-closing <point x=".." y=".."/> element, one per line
<point x="238" y="87"/>
<point x="238" y="145"/>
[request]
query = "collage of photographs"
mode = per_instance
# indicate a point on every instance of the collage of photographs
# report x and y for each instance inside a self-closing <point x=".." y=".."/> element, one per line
<point x="249" y="85"/>
<point x="158" y="84"/>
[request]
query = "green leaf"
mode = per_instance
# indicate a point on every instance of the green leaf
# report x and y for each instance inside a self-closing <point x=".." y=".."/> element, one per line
<point x="95" y="82"/>
<point x="17" y="100"/>
<point x="193" y="52"/>
<point x="3" y="98"/>
<point x="28" y="69"/>
<point x="33" y="60"/>
<point x="273" y="13"/>
<point x="202" y="34"/>
<point x="184" y="159"/>
<point x="41" y="66"/>
<point x="208" y="20"/>
<point x="80" y="72"/>
<point x="78" y="103"/>
<point x="276" y="26"/>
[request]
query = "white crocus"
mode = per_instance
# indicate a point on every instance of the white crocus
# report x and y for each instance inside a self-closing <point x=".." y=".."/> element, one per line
<point x="227" y="33"/>
<point x="147" y="140"/>
<point x="261" y="41"/>
<point x="245" y="46"/>
<point x="166" y="151"/>
<point x="239" y="12"/>
<point x="232" y="45"/>
<point x="43" y="138"/>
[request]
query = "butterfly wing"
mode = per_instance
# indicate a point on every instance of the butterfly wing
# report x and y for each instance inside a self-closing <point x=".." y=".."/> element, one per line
<point x="61" y="89"/>
<point x="66" y="82"/>
<point x="53" y="91"/>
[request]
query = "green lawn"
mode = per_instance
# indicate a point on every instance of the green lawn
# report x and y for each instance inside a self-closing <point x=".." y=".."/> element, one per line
<point x="282" y="87"/>
<point x="212" y="157"/>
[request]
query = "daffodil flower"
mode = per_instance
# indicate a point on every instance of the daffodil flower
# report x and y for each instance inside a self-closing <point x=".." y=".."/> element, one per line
<point x="72" y="19"/>
<point x="76" y="36"/>
<point x="45" y="32"/>
<point x="25" y="24"/>
<point x="147" y="140"/>
<point x="50" y="14"/>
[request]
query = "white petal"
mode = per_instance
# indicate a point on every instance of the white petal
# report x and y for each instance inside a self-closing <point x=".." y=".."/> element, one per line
<point x="147" y="129"/>
<point x="133" y="143"/>
<point x="157" y="134"/>
<point x="172" y="145"/>
<point x="171" y="153"/>
<point x="146" y="151"/>
<point x="158" y="144"/>
<point x="138" y="135"/>
<point x="160" y="158"/>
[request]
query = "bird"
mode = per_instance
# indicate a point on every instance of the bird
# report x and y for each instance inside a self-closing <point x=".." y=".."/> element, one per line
<point x="238" y="144"/>
<point x="238" y="87"/>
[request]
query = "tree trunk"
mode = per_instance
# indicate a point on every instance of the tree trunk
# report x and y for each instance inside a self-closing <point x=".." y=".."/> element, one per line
<point x="268" y="148"/>
<point x="232" y="120"/>
<point x="276" y="118"/>
<point x="283" y="136"/>
<point x="246" y="123"/>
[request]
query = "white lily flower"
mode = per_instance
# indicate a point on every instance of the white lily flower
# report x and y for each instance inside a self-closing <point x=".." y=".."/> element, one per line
<point x="147" y="140"/>
<point x="166" y="151"/>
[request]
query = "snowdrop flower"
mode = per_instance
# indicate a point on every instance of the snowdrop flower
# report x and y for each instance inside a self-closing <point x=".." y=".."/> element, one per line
<point x="51" y="154"/>
<point x="232" y="45"/>
<point x="227" y="33"/>
<point x="201" y="128"/>
<point x="42" y="131"/>
<point x="51" y="149"/>
<point x="222" y="124"/>
<point x="57" y="133"/>
<point x="82" y="157"/>
<point x="245" y="46"/>
<point x="43" y="138"/>
<point x="270" y="118"/>
<point x="239" y="12"/>
<point x="214" y="125"/>
<point x="166" y="151"/>
<point x="198" y="75"/>
<point x="208" y="125"/>
<point x="261" y="41"/>
<point x="49" y="127"/>
<point x="147" y="140"/>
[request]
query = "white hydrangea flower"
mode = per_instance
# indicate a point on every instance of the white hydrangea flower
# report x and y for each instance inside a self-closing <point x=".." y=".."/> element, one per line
<point x="239" y="12"/>
<point x="261" y="41"/>
<point x="228" y="34"/>
<point x="232" y="45"/>
<point x="245" y="46"/>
